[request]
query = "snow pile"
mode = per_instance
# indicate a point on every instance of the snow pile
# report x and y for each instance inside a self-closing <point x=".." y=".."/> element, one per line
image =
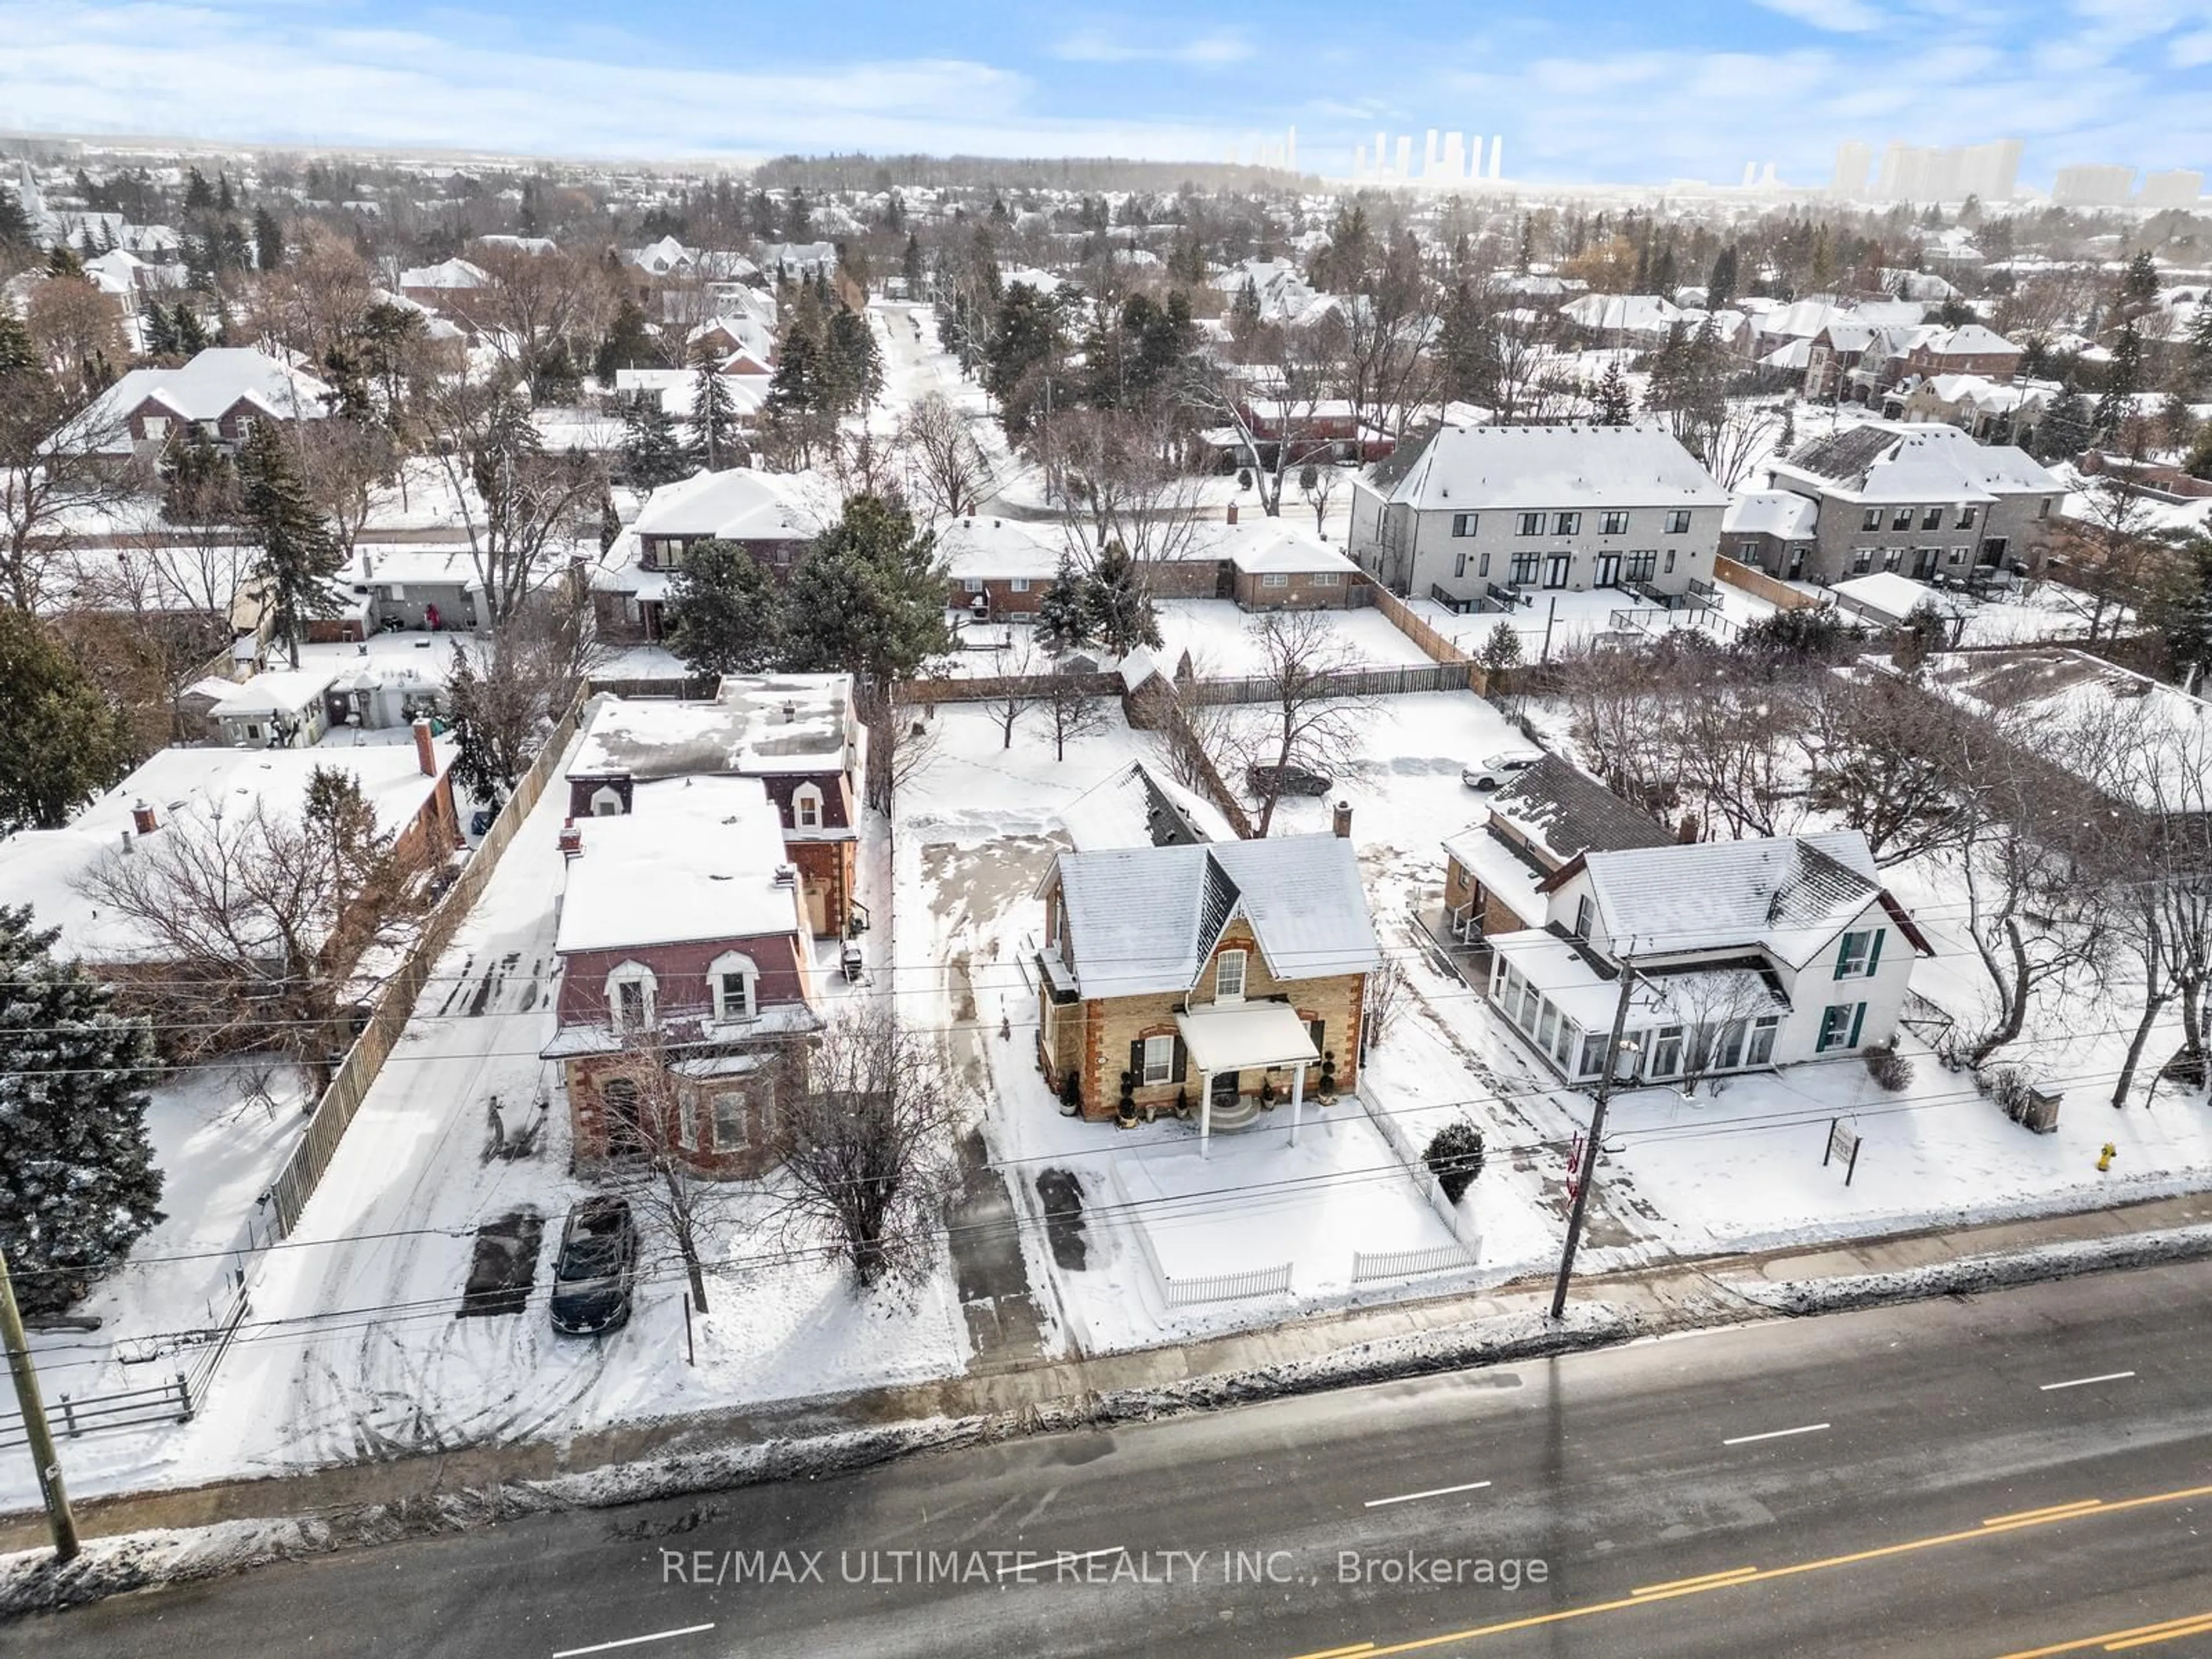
<point x="2064" y="1260"/>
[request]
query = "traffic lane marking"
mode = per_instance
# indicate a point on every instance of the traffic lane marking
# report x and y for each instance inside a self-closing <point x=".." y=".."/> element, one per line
<point x="1778" y="1434"/>
<point x="2084" y="1382"/>
<point x="633" y="1641"/>
<point x="1434" y="1491"/>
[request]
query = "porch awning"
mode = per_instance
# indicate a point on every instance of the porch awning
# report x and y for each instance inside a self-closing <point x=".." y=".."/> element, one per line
<point x="1245" y="1037"/>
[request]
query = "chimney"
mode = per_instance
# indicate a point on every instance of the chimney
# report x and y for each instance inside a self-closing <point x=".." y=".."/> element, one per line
<point x="1341" y="823"/>
<point x="790" y="713"/>
<point x="143" y="817"/>
<point x="572" y="839"/>
<point x="1232" y="513"/>
<point x="425" y="755"/>
<point x="786" y="875"/>
<point x="126" y="841"/>
<point x="368" y="565"/>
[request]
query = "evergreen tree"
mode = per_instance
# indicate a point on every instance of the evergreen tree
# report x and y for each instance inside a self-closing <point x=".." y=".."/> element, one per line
<point x="1063" y="619"/>
<point x="723" y="610"/>
<point x="1120" y="602"/>
<point x="1616" y="403"/>
<point x="199" y="195"/>
<point x="1786" y="440"/>
<point x="910" y="266"/>
<point x="1244" y="315"/>
<point x="298" y="555"/>
<point x="62" y="261"/>
<point x="2139" y="284"/>
<point x="871" y="591"/>
<point x="224" y="201"/>
<point x="61" y="741"/>
<point x="268" y="240"/>
<point x="2123" y="378"/>
<point x="17" y="355"/>
<point x="653" y="451"/>
<point x="160" y="330"/>
<point x="853" y="369"/>
<point x="628" y="343"/>
<point x="77" y="1181"/>
<point x="2064" y="431"/>
<point x="484" y="764"/>
<point x="1027" y="337"/>
<point x="192" y="334"/>
<point x="1721" y="285"/>
<point x="798" y="218"/>
<point x="713" y="412"/>
<point x="1467" y="348"/>
<point x="15" y="230"/>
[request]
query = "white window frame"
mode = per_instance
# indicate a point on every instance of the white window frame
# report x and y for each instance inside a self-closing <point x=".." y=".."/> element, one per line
<point x="157" y="428"/>
<point x="1464" y="524"/>
<point x="806" y="806"/>
<point x="1223" y="992"/>
<point x="734" y="965"/>
<point x="1967" y="514"/>
<point x="1159" y="1061"/>
<point x="1758" y="1047"/>
<point x="1327" y="579"/>
<point x="1857" y="963"/>
<point x="1871" y="518"/>
<point x="648" y="983"/>
<point x="1678" y="521"/>
<point x="1843" y="1016"/>
<point x="1664" y="1039"/>
<point x="973" y="583"/>
<point x="1614" y="522"/>
<point x="1018" y="585"/>
<point x="1566" y="524"/>
<point x="1670" y="560"/>
<point x="1274" y="579"/>
<point x="1532" y="524"/>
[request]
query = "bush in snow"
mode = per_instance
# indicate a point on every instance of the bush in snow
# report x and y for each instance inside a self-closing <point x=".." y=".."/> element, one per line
<point x="1454" y="1157"/>
<point x="1892" y="1070"/>
<point x="2008" y="1087"/>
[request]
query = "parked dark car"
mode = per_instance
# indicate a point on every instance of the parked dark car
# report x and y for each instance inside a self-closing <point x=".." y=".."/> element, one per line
<point x="1297" y="781"/>
<point x="592" y="1278"/>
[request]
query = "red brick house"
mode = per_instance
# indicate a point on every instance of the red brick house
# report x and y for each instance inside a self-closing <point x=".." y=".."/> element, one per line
<point x="798" y="734"/>
<point x="219" y="395"/>
<point x="684" y="976"/>
<point x="772" y="515"/>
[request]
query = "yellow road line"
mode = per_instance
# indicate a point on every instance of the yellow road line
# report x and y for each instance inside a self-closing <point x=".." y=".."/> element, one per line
<point x="1340" y="1653"/>
<point x="2197" y="1629"/>
<point x="2074" y="1508"/>
<point x="1708" y="1581"/>
<point x="2085" y="1510"/>
<point x="2165" y="1627"/>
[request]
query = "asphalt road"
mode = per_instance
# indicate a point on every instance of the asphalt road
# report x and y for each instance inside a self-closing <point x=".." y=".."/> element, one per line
<point x="1822" y="1486"/>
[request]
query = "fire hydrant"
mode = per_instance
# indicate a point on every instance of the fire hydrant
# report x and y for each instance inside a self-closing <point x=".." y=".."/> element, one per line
<point x="2105" y="1160"/>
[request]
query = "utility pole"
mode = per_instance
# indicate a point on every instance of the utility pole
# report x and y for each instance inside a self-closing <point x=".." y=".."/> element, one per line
<point x="58" y="1518"/>
<point x="1588" y="1171"/>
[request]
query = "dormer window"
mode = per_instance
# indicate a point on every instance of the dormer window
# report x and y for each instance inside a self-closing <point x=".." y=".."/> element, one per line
<point x="631" y="997"/>
<point x="806" y="806"/>
<point x="735" y="980"/>
<point x="1229" y="977"/>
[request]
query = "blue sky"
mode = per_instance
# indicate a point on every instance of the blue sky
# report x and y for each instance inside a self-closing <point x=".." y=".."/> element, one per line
<point x="1627" y="90"/>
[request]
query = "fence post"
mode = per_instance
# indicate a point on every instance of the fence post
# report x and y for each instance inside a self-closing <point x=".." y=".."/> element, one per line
<point x="183" y="1399"/>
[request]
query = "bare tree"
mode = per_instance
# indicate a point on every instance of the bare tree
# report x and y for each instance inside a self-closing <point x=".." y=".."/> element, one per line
<point x="266" y="922"/>
<point x="1715" y="1006"/>
<point x="505" y="691"/>
<point x="948" y="473"/>
<point x="1015" y="691"/>
<point x="1319" y="481"/>
<point x="1740" y="439"/>
<point x="1073" y="710"/>
<point x="344" y="463"/>
<point x="315" y="301"/>
<point x="1125" y="484"/>
<point x="54" y="477"/>
<point x="1310" y="724"/>
<point x="2110" y="554"/>
<point x="903" y="743"/>
<point x="1279" y="420"/>
<point x="519" y="503"/>
<point x="866" y="1118"/>
<point x="538" y="306"/>
<point x="77" y="330"/>
<point x="658" y="1170"/>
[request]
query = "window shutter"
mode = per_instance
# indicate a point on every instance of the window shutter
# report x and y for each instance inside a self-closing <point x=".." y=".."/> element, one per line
<point x="1182" y="1064"/>
<point x="1874" y="952"/>
<point x="1843" y="955"/>
<point x="1137" y="1060"/>
<point x="1316" y="1029"/>
<point x="1858" y="1018"/>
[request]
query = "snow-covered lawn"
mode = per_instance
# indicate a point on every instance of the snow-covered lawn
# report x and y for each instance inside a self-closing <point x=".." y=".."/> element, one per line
<point x="1221" y="641"/>
<point x="1553" y="623"/>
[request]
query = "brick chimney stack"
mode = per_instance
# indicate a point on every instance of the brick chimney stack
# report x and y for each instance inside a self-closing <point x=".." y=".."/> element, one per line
<point x="1342" y="820"/>
<point x="426" y="756"/>
<point x="143" y="818"/>
<point x="1232" y="513"/>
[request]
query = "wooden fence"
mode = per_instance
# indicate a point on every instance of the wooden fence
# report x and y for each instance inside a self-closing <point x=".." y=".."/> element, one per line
<point x="334" y="1111"/>
<point x="1347" y="683"/>
<point x="1757" y="583"/>
<point x="694" y="688"/>
<point x="991" y="688"/>
<point x="1433" y="645"/>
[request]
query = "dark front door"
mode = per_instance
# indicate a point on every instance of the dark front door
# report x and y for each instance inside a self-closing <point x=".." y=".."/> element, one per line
<point x="1224" y="1090"/>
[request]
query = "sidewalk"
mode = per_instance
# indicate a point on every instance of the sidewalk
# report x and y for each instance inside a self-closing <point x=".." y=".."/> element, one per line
<point x="1671" y="1296"/>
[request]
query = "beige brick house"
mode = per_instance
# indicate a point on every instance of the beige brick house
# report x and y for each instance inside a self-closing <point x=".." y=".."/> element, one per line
<point x="1214" y="979"/>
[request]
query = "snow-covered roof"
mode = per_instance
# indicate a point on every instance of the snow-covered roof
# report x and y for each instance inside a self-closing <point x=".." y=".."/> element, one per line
<point x="280" y="692"/>
<point x="41" y="867"/>
<point x="1468" y="469"/>
<point x="983" y="546"/>
<point x="1786" y="894"/>
<point x="757" y="724"/>
<point x="1505" y="873"/>
<point x="1782" y="514"/>
<point x="1883" y="595"/>
<point x="1624" y="313"/>
<point x="1563" y="810"/>
<point x="1138" y="807"/>
<point x="693" y="859"/>
<point x="1144" y="920"/>
<point x="742" y="505"/>
<point x="207" y="387"/>
<point x="446" y="274"/>
<point x="1972" y="338"/>
<point x="1887" y="461"/>
<point x="402" y="562"/>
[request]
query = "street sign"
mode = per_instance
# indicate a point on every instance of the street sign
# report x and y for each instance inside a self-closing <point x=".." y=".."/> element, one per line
<point x="1842" y="1148"/>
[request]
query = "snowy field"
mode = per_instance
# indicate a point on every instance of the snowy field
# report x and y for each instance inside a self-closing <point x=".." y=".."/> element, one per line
<point x="1553" y="624"/>
<point x="1222" y="643"/>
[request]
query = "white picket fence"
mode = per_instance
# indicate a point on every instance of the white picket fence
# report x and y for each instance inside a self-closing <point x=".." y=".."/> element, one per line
<point x="1458" y="1217"/>
<point x="1372" y="1267"/>
<point x="1191" y="1290"/>
<point x="1225" y="1287"/>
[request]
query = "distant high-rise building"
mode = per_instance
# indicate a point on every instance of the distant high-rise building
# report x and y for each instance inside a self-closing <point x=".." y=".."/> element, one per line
<point x="2088" y="184"/>
<point x="1991" y="171"/>
<point x="1405" y="156"/>
<point x="2177" y="189"/>
<point x="1498" y="155"/>
<point x="1291" y="150"/>
<point x="1854" y="161"/>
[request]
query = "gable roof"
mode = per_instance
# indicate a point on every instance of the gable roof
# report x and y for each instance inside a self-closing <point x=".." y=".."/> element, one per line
<point x="207" y="388"/>
<point x="1564" y="810"/>
<point x="1884" y="461"/>
<point x="1786" y="894"/>
<point x="1144" y="920"/>
<point x="1466" y="469"/>
<point x="742" y="505"/>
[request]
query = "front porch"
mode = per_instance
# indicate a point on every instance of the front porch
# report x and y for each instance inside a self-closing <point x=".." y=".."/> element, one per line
<point x="1239" y="1050"/>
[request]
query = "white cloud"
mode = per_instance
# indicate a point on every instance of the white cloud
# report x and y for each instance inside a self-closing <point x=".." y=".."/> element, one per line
<point x="1101" y="46"/>
<point x="1837" y="16"/>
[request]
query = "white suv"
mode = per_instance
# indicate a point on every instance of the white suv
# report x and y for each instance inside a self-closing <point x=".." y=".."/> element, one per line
<point x="1500" y="770"/>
